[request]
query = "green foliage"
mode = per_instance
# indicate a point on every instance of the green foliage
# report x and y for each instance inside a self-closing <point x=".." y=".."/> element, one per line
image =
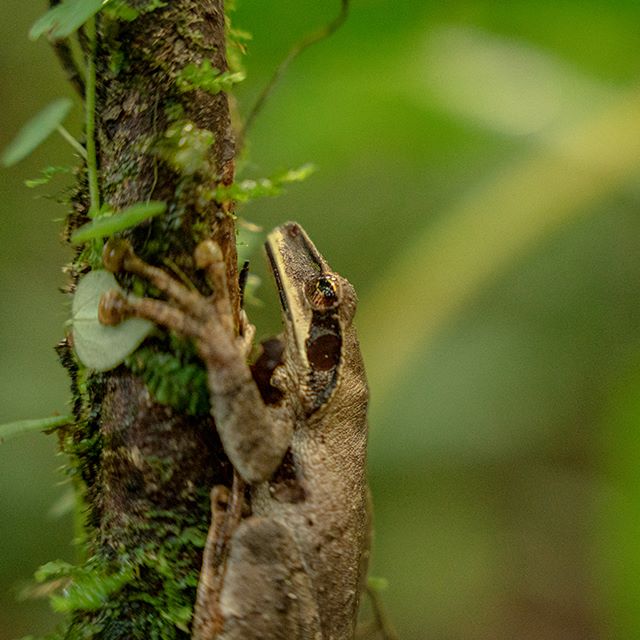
<point x="81" y="588"/>
<point x="46" y="175"/>
<point x="36" y="131"/>
<point x="122" y="10"/>
<point x="157" y="576"/>
<point x="98" y="346"/>
<point x="53" y="570"/>
<point x="152" y="5"/>
<point x="89" y="591"/>
<point x="237" y="40"/>
<point x="185" y="147"/>
<point x="250" y="189"/>
<point x="207" y="78"/>
<point x="65" y="18"/>
<point x="111" y="222"/>
<point x="175" y="378"/>
<point x="376" y="583"/>
<point x="12" y="429"/>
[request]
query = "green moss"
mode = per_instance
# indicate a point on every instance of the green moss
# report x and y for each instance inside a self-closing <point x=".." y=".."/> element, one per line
<point x="123" y="10"/>
<point x="176" y="377"/>
<point x="206" y="77"/>
<point x="145" y="593"/>
<point x="185" y="147"/>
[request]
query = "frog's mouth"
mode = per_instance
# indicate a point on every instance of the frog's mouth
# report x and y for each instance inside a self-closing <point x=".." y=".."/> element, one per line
<point x="309" y="296"/>
<point x="294" y="261"/>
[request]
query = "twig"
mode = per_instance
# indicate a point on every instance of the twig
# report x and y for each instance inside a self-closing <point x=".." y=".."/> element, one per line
<point x="65" y="56"/>
<point x="69" y="65"/>
<point x="72" y="141"/>
<point x="382" y="622"/>
<point x="90" y="121"/>
<point x="294" y="52"/>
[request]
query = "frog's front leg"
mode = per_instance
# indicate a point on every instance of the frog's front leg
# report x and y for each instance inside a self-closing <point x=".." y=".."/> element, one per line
<point x="254" y="436"/>
<point x="267" y="591"/>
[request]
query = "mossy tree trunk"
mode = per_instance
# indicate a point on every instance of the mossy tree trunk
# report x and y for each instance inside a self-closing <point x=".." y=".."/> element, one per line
<point x="146" y="467"/>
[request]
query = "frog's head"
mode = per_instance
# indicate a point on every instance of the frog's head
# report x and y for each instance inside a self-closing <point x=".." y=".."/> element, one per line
<point x="318" y="306"/>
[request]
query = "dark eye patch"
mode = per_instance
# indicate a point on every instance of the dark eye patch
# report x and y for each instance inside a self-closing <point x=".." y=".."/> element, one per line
<point x="323" y="353"/>
<point x="324" y="350"/>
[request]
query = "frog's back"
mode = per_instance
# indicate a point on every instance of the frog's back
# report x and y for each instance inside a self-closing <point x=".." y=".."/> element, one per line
<point x="320" y="492"/>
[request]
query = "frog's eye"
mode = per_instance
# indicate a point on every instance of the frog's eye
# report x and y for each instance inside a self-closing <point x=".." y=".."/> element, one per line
<point x="323" y="292"/>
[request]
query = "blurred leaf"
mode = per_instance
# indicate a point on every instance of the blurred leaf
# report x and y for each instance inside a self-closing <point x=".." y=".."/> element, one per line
<point x="490" y="229"/>
<point x="107" y="225"/>
<point x="619" y="513"/>
<point x="36" y="131"/>
<point x="65" y="18"/>
<point x="53" y="570"/>
<point x="99" y="346"/>
<point x="64" y="505"/>
<point x="250" y="236"/>
<point x="504" y="84"/>
<point x="84" y="589"/>
<point x="47" y="174"/>
<point x="12" y="429"/>
<point x="377" y="584"/>
<point x="185" y="147"/>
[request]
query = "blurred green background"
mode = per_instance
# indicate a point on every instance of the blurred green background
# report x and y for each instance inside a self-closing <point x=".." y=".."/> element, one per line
<point x="478" y="182"/>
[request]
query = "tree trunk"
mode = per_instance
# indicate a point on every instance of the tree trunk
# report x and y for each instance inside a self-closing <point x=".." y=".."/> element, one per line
<point x="147" y="467"/>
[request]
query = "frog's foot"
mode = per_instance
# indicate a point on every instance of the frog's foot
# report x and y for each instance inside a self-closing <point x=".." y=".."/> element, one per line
<point x="186" y="312"/>
<point x="247" y="334"/>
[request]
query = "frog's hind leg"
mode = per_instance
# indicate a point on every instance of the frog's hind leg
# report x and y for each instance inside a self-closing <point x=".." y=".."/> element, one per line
<point x="267" y="592"/>
<point x="226" y="512"/>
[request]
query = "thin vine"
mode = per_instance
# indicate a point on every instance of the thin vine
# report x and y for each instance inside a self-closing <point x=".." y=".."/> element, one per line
<point x="90" y="120"/>
<point x="298" y="48"/>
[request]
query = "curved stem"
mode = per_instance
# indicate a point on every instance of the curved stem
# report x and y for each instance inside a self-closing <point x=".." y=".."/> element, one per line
<point x="71" y="68"/>
<point x="72" y="141"/>
<point x="90" y="120"/>
<point x="294" y="52"/>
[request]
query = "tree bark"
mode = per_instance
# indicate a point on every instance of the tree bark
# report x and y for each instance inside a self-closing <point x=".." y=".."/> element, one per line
<point x="146" y="467"/>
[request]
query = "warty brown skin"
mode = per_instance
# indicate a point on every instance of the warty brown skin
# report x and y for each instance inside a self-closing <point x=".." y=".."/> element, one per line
<point x="331" y="524"/>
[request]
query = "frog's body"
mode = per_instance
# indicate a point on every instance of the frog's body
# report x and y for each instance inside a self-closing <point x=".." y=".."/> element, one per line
<point x="294" y="569"/>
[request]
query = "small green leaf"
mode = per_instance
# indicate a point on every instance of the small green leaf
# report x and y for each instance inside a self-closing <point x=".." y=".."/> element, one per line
<point x="13" y="429"/>
<point x="377" y="584"/>
<point x="36" y="131"/>
<point x="65" y="18"/>
<point x="207" y="78"/>
<point x="107" y="225"/>
<point x="296" y="175"/>
<point x="250" y="189"/>
<point x="89" y="591"/>
<point x="120" y="10"/>
<point x="46" y="175"/>
<point x="53" y="570"/>
<point x="99" y="346"/>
